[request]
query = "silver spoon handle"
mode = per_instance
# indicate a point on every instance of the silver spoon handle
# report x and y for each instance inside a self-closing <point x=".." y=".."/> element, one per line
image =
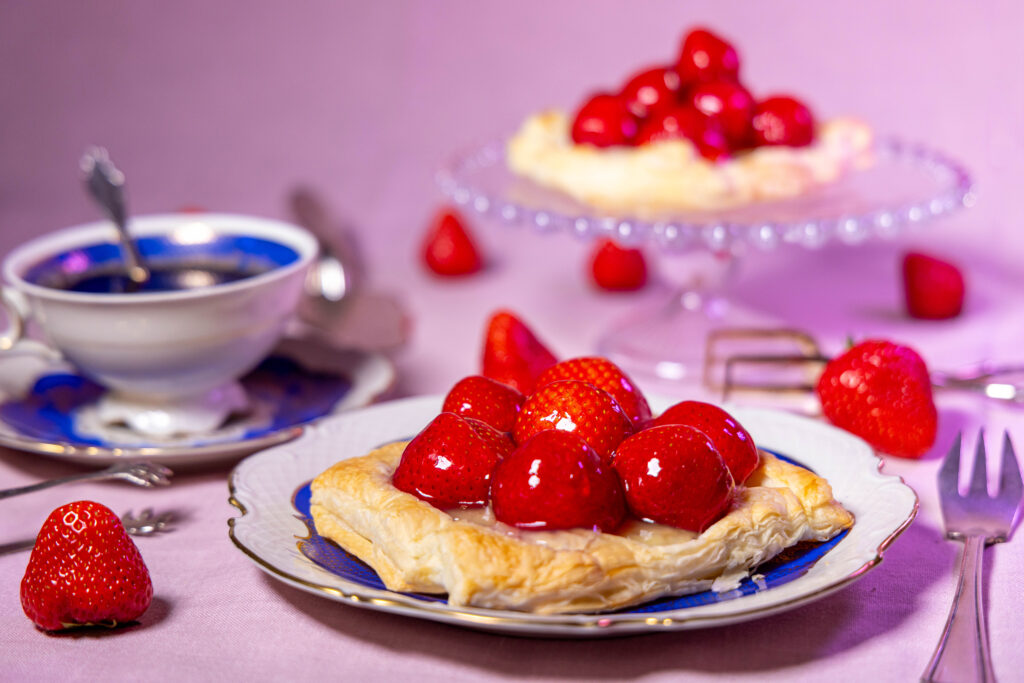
<point x="106" y="184"/>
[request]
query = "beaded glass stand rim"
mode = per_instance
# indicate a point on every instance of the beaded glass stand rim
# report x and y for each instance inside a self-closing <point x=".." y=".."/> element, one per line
<point x="478" y="179"/>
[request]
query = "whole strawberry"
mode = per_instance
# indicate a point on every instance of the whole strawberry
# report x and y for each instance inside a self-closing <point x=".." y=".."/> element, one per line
<point x="449" y="463"/>
<point x="574" y="406"/>
<point x="933" y="289"/>
<point x="732" y="441"/>
<point x="674" y="475"/>
<point x="881" y="392"/>
<point x="448" y="249"/>
<point x="84" y="570"/>
<point x="617" y="269"/>
<point x="486" y="400"/>
<point x="512" y="353"/>
<point x="606" y="375"/>
<point x="556" y="481"/>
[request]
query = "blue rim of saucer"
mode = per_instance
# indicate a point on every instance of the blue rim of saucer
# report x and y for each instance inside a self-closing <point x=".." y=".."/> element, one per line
<point x="288" y="395"/>
<point x="790" y="564"/>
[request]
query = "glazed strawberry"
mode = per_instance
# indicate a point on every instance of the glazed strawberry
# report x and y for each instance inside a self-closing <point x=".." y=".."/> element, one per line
<point x="555" y="480"/>
<point x="618" y="269"/>
<point x="486" y="400"/>
<point x="729" y="104"/>
<point x="84" y="569"/>
<point x="512" y="353"/>
<point x="499" y="441"/>
<point x="730" y="439"/>
<point x="706" y="57"/>
<point x="686" y="123"/>
<point x="447" y="464"/>
<point x="782" y="120"/>
<point x="448" y="248"/>
<point x="673" y="475"/>
<point x="603" y="121"/>
<point x="606" y="375"/>
<point x="651" y="91"/>
<point x="574" y="406"/>
<point x="881" y="392"/>
<point x="933" y="289"/>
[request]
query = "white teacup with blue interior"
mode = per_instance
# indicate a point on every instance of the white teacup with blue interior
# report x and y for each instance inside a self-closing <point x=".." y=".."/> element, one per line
<point x="223" y="288"/>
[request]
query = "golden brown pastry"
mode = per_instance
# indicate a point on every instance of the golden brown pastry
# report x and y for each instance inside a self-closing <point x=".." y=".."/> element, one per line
<point x="415" y="547"/>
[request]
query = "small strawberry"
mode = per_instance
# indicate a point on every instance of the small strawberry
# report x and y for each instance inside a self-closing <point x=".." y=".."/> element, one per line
<point x="512" y="353"/>
<point x="651" y="91"/>
<point x="933" y="289"/>
<point x="606" y="375"/>
<point x="881" y="392"/>
<point x="486" y="400"/>
<point x="448" y="464"/>
<point x="706" y="57"/>
<point x="731" y="440"/>
<point x="555" y="480"/>
<point x="616" y="268"/>
<point x="84" y="570"/>
<point x="574" y="406"/>
<point x="674" y="475"/>
<point x="782" y="120"/>
<point x="604" y="120"/>
<point x="448" y="248"/>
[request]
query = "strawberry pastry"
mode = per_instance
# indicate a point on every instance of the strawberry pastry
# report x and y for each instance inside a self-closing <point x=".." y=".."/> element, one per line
<point x="687" y="136"/>
<point x="570" y="497"/>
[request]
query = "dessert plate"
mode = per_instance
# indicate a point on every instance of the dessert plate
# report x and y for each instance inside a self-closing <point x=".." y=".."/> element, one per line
<point x="47" y="408"/>
<point x="270" y="489"/>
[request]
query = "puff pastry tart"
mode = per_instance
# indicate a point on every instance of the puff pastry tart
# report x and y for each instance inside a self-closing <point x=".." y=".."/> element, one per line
<point x="416" y="547"/>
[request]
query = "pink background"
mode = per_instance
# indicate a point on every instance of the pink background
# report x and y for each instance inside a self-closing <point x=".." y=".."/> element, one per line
<point x="229" y="105"/>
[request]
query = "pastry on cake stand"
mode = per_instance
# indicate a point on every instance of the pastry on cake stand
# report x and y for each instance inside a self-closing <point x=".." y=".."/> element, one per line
<point x="907" y="185"/>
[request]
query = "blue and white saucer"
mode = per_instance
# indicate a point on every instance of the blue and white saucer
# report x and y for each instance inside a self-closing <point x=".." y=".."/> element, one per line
<point x="47" y="408"/>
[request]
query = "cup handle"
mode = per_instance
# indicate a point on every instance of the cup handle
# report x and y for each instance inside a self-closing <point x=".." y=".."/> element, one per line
<point x="12" y="337"/>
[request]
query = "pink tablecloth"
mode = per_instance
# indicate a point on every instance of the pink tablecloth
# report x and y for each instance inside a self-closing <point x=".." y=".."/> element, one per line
<point x="229" y="105"/>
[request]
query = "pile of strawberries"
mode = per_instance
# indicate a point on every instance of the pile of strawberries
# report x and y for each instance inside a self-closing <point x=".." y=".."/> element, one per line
<point x="576" y="447"/>
<point x="699" y="98"/>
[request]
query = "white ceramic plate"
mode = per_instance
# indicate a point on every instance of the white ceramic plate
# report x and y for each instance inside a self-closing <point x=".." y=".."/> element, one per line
<point x="268" y="488"/>
<point x="46" y="407"/>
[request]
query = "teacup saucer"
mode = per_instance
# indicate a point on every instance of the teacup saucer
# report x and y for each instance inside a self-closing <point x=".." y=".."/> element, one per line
<point x="47" y="408"/>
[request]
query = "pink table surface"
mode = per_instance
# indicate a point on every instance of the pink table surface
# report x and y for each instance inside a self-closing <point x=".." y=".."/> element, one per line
<point x="229" y="105"/>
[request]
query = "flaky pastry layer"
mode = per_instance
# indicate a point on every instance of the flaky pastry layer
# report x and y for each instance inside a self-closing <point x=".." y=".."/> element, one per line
<point x="415" y="547"/>
<point x="670" y="175"/>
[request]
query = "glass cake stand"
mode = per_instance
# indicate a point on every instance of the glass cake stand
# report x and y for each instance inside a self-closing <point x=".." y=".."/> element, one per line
<point x="907" y="185"/>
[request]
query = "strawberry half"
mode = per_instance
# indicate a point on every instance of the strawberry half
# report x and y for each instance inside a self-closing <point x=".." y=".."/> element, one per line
<point x="674" y="475"/>
<point x="617" y="269"/>
<point x="730" y="439"/>
<point x="512" y="353"/>
<point x="84" y="570"/>
<point x="486" y="400"/>
<point x="556" y="481"/>
<point x="574" y="406"/>
<point x="606" y="375"/>
<point x="448" y="249"/>
<point x="933" y="289"/>
<point x="881" y="392"/>
<point x="448" y="464"/>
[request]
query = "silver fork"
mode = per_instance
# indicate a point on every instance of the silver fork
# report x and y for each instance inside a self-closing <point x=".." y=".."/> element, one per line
<point x="977" y="519"/>
<point x="146" y="523"/>
<point x="139" y="473"/>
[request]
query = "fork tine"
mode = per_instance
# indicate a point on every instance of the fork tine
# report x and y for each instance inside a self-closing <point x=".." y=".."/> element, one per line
<point x="1009" y="478"/>
<point x="949" y="473"/>
<point x="979" y="475"/>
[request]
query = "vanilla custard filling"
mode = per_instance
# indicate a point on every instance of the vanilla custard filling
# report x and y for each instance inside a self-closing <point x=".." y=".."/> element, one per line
<point x="670" y="175"/>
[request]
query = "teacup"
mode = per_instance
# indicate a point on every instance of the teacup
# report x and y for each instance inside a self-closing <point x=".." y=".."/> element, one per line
<point x="222" y="290"/>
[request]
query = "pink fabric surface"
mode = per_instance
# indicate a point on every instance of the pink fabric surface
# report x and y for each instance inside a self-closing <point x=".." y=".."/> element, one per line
<point x="229" y="105"/>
